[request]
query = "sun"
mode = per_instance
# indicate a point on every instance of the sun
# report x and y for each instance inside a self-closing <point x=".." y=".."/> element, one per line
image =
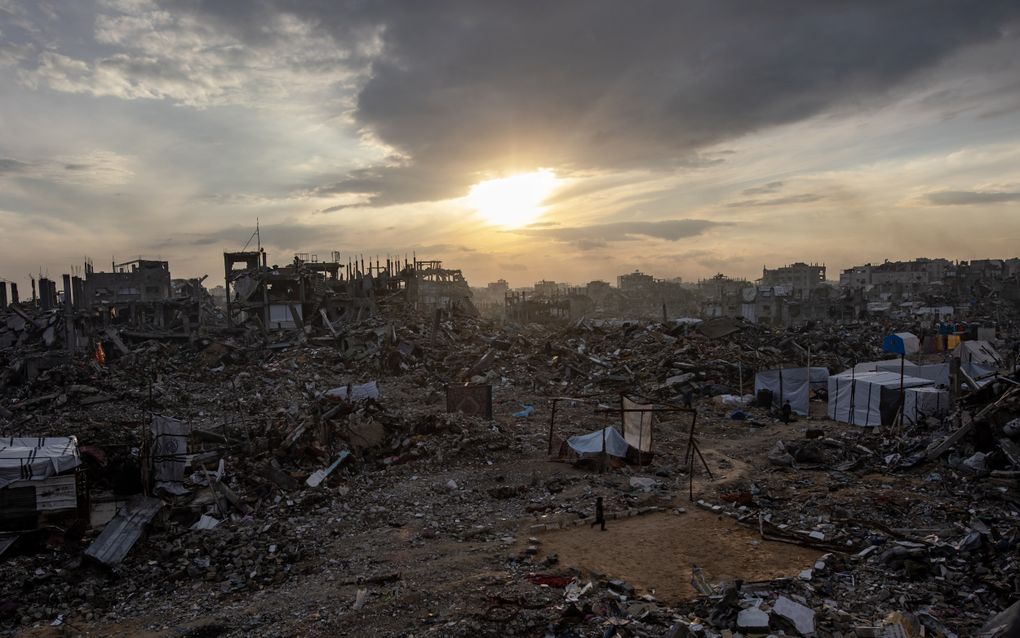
<point x="513" y="201"/>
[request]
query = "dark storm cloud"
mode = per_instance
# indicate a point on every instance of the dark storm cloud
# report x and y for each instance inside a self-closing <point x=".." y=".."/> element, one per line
<point x="965" y="198"/>
<point x="462" y="86"/>
<point x="598" y="235"/>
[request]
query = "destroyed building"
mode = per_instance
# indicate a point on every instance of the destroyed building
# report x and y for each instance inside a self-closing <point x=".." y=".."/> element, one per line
<point x="323" y="293"/>
<point x="801" y="279"/>
<point x="136" y="281"/>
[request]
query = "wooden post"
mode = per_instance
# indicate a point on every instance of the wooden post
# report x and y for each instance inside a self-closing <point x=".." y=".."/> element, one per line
<point x="552" y="422"/>
<point x="602" y="467"/>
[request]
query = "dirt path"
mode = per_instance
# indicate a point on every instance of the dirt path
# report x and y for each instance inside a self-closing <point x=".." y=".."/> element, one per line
<point x="655" y="553"/>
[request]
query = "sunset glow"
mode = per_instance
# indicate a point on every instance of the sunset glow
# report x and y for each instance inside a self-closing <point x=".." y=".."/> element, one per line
<point x="513" y="201"/>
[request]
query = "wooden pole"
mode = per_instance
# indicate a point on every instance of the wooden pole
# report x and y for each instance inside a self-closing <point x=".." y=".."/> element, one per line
<point x="552" y="422"/>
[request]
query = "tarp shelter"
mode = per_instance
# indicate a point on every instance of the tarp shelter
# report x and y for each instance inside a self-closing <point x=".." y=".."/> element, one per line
<point x="591" y="444"/>
<point x="901" y="343"/>
<point x="979" y="353"/>
<point x="169" y="453"/>
<point x="37" y="476"/>
<point x="792" y="384"/>
<point x="868" y="398"/>
<point x="637" y="425"/>
<point x="36" y="458"/>
<point x="924" y="403"/>
<point x="892" y="365"/>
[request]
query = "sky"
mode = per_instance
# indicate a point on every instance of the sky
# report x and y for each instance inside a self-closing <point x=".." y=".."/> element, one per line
<point x="570" y="141"/>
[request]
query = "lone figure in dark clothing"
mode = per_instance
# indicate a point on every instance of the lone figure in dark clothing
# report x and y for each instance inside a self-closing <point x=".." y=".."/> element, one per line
<point x="786" y="411"/>
<point x="600" y="515"/>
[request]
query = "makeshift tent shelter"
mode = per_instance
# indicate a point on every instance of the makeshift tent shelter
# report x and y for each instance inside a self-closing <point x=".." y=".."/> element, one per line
<point x="37" y="474"/>
<point x="591" y="444"/>
<point x="891" y="365"/>
<point x="36" y="458"/>
<point x="868" y="398"/>
<point x="902" y="343"/>
<point x="979" y="353"/>
<point x="925" y="403"/>
<point x="937" y="373"/>
<point x="792" y="384"/>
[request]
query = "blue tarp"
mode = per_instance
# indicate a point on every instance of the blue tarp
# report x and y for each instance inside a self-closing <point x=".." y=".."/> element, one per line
<point x="901" y="343"/>
<point x="583" y="444"/>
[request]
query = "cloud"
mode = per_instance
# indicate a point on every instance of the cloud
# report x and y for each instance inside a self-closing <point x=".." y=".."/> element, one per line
<point x="599" y="235"/>
<point x="766" y="189"/>
<point x="789" y="200"/>
<point x="174" y="55"/>
<point x="8" y="165"/>
<point x="513" y="267"/>
<point x="288" y="235"/>
<point x="966" y="198"/>
<point x="463" y="88"/>
<point x="96" y="169"/>
<point x="454" y="90"/>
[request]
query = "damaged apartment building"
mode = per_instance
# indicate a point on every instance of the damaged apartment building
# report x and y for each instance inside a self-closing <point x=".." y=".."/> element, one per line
<point x="784" y="296"/>
<point x="935" y="287"/>
<point x="136" y="299"/>
<point x="308" y="292"/>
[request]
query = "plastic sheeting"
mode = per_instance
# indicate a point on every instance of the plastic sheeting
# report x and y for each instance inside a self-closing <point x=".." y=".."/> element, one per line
<point x="169" y="453"/>
<point x="587" y="444"/>
<point x="924" y="403"/>
<point x="361" y="392"/>
<point x="36" y="458"/>
<point x="868" y="398"/>
<point x="980" y="353"/>
<point x="637" y="426"/>
<point x="792" y="384"/>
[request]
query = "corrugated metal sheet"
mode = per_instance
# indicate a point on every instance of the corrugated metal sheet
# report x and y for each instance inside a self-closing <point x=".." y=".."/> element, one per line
<point x="124" y="530"/>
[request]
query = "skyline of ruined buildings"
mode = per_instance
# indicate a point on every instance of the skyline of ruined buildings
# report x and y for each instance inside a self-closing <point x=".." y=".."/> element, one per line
<point x="139" y="300"/>
<point x="309" y="292"/>
<point x="797" y="293"/>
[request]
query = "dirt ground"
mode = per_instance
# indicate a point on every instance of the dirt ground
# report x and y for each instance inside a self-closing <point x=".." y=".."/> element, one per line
<point x="444" y="583"/>
<point x="656" y="553"/>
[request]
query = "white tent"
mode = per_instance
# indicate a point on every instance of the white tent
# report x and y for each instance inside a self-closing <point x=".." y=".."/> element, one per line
<point x="937" y="373"/>
<point x="979" y="353"/>
<point x="868" y="398"/>
<point x="924" y="402"/>
<point x="591" y="444"/>
<point x="890" y="365"/>
<point x="791" y="384"/>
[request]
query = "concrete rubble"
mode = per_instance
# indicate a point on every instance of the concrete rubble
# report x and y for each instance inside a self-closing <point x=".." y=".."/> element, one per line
<point x="288" y="465"/>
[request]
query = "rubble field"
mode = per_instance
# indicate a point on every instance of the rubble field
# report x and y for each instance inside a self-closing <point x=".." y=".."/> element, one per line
<point x="323" y="487"/>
